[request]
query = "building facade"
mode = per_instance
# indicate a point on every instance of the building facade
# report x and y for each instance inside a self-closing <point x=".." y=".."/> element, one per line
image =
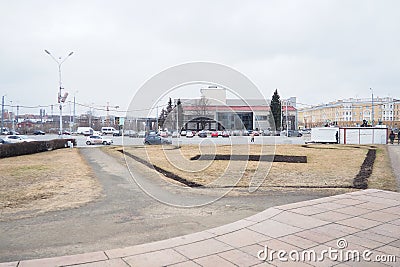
<point x="213" y="111"/>
<point x="352" y="112"/>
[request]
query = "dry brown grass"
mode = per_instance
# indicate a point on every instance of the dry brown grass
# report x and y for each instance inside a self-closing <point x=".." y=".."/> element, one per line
<point x="45" y="181"/>
<point x="382" y="176"/>
<point x="327" y="166"/>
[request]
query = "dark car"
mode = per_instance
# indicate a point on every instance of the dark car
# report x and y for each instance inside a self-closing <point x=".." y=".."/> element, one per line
<point x="156" y="140"/>
<point x="38" y="132"/>
<point x="202" y="134"/>
<point x="2" y="141"/>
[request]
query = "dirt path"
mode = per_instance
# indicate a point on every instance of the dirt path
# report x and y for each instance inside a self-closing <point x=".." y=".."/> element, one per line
<point x="126" y="216"/>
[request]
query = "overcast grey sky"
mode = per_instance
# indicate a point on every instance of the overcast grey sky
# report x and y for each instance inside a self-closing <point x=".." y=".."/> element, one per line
<point x="316" y="50"/>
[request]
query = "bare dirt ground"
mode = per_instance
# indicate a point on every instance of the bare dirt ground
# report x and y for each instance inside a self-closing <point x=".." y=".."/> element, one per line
<point x="328" y="166"/>
<point x="47" y="181"/>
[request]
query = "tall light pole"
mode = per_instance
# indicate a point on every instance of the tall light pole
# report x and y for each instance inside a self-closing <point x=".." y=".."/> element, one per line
<point x="2" y="114"/>
<point x="61" y="99"/>
<point x="372" y="104"/>
<point x="12" y="115"/>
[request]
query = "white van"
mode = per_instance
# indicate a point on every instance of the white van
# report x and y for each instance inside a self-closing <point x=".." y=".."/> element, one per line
<point x="86" y="131"/>
<point x="109" y="130"/>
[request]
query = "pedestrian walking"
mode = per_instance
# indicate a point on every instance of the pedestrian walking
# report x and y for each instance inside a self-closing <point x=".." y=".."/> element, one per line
<point x="391" y="137"/>
<point x="252" y="137"/>
<point x="398" y="138"/>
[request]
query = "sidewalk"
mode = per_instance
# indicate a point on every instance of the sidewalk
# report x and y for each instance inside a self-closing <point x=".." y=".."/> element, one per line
<point x="365" y="222"/>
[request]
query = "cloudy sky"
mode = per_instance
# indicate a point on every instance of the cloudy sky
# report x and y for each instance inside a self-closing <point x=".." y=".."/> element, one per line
<point x="316" y="50"/>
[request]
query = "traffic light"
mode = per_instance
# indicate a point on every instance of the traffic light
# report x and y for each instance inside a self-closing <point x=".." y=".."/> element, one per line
<point x="117" y="120"/>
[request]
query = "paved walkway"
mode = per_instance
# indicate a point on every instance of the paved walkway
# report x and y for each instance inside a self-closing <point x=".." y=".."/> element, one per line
<point x="365" y="223"/>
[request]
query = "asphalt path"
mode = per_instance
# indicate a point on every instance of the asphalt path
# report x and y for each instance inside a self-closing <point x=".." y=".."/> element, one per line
<point x="122" y="140"/>
<point x="126" y="216"/>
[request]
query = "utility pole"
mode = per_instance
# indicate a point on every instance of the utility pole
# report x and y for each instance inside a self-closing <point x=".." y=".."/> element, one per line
<point x="12" y="116"/>
<point x="287" y="122"/>
<point x="372" y="103"/>
<point x="2" y="114"/>
<point x="73" y="118"/>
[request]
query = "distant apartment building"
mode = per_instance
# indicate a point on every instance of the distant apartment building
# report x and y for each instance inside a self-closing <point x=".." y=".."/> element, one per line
<point x="352" y="112"/>
<point x="214" y="111"/>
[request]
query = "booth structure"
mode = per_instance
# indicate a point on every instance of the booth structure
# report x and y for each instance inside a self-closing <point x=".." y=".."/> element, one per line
<point x="363" y="135"/>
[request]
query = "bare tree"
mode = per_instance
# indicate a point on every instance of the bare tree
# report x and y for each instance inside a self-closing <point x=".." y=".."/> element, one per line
<point x="201" y="111"/>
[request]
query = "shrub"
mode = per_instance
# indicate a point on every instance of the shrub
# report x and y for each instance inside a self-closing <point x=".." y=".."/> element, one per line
<point x="25" y="148"/>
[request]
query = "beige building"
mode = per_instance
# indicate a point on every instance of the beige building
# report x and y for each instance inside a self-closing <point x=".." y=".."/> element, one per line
<point x="352" y="112"/>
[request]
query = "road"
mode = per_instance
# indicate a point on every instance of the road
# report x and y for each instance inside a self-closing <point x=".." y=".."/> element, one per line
<point x="126" y="216"/>
<point x="119" y="140"/>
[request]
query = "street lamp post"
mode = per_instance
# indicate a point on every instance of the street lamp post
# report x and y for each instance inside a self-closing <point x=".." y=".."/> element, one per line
<point x="372" y="108"/>
<point x="61" y="99"/>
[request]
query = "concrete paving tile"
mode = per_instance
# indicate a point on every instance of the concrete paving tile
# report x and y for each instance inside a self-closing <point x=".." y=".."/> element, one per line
<point x="365" y="242"/>
<point x="185" y="264"/>
<point x="252" y="250"/>
<point x="107" y="263"/>
<point x="336" y="230"/>
<point x="214" y="260"/>
<point x="309" y="210"/>
<point x="65" y="260"/>
<point x="388" y="195"/>
<point x="389" y="250"/>
<point x="228" y="228"/>
<point x="363" y="263"/>
<point x="158" y="245"/>
<point x="298" y="241"/>
<point x="374" y="206"/>
<point x="239" y="258"/>
<point x="381" y="200"/>
<point x="316" y="236"/>
<point x="380" y="216"/>
<point x="156" y="258"/>
<point x="395" y="243"/>
<point x="277" y="244"/>
<point x="298" y="220"/>
<point x="375" y="237"/>
<point x="9" y="264"/>
<point x="242" y="238"/>
<point x="359" y="222"/>
<point x="387" y="229"/>
<point x="353" y="210"/>
<point x="274" y="228"/>
<point x="291" y="263"/>
<point x="332" y="216"/>
<point x="330" y="206"/>
<point x="264" y="215"/>
<point x="396" y="222"/>
<point x="264" y="264"/>
<point x="394" y="210"/>
<point x="295" y="205"/>
<point x="348" y="201"/>
<point x="203" y="248"/>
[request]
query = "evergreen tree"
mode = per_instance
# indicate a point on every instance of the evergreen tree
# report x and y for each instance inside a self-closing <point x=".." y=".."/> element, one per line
<point x="180" y="113"/>
<point x="276" y="109"/>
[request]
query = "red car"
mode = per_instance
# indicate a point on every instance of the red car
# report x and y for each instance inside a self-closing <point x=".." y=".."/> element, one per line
<point x="214" y="134"/>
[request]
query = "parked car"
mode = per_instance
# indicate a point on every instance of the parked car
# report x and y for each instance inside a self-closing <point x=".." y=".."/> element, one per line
<point x="156" y="140"/>
<point x="38" y="132"/>
<point x="225" y="134"/>
<point x="142" y="134"/>
<point x="202" y="134"/>
<point x="189" y="134"/>
<point x="174" y="134"/>
<point x="13" y="132"/>
<point x="131" y="133"/>
<point x="183" y="133"/>
<point x="97" y="140"/>
<point x="2" y="141"/>
<point x="164" y="134"/>
<point x="214" y="134"/>
<point x="18" y="139"/>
